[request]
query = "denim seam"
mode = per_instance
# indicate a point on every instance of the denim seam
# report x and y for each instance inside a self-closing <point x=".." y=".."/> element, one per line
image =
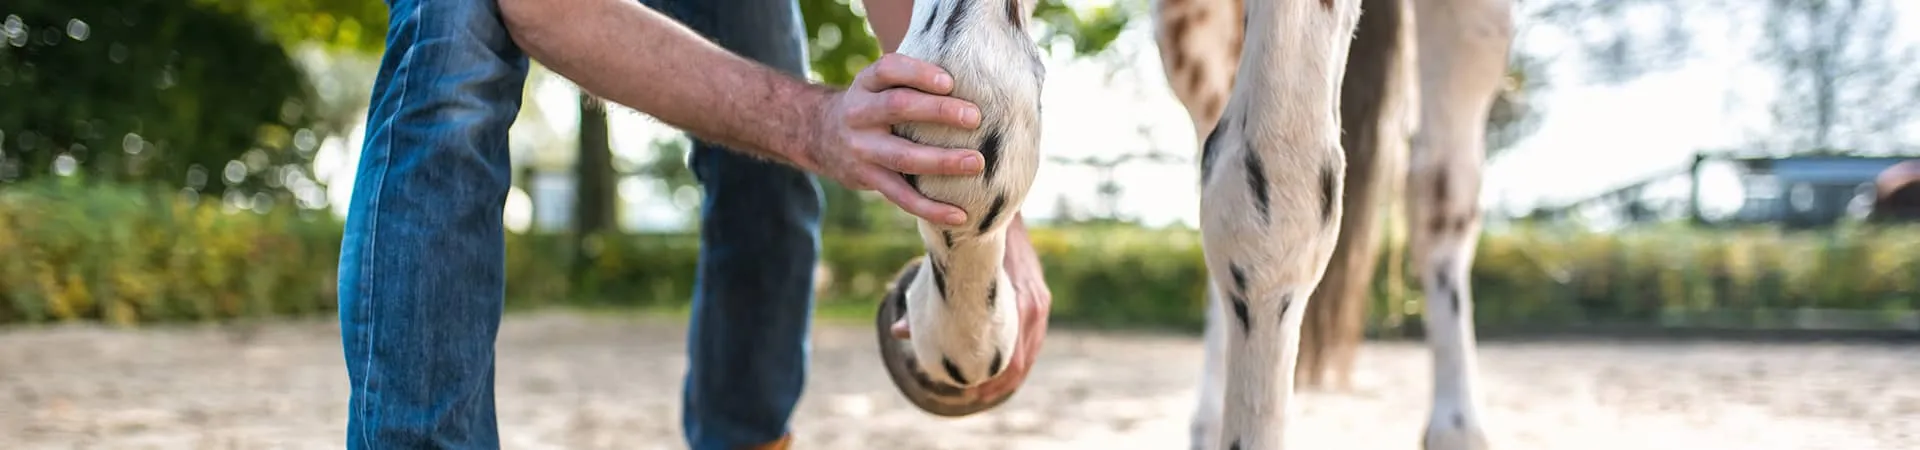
<point x="404" y="76"/>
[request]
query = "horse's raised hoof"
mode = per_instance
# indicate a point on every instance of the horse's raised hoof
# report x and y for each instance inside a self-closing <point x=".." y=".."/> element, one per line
<point x="933" y="397"/>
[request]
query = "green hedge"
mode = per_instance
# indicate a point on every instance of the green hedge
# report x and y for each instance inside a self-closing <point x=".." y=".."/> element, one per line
<point x="125" y="256"/>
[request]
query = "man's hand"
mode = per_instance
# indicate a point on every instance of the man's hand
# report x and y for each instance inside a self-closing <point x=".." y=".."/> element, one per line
<point x="1035" y="302"/>
<point x="854" y="143"/>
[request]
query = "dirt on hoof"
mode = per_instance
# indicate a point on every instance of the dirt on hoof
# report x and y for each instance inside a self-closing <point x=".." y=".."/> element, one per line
<point x="590" y="382"/>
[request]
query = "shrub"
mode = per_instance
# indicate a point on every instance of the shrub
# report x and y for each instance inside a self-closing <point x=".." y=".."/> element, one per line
<point x="127" y="255"/>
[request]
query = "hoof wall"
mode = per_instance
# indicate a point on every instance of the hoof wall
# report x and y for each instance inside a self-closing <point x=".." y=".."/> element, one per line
<point x="897" y="355"/>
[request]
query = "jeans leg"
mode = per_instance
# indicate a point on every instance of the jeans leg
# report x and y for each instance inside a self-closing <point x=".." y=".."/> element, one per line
<point x="760" y="238"/>
<point x="422" y="266"/>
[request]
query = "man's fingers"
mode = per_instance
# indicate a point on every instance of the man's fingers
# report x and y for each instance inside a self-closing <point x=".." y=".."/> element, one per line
<point x="896" y="190"/>
<point x="1005" y="382"/>
<point x="895" y="70"/>
<point x="855" y="183"/>
<point x="904" y="156"/>
<point x="1032" y="330"/>
<point x="896" y="106"/>
<point x="905" y="105"/>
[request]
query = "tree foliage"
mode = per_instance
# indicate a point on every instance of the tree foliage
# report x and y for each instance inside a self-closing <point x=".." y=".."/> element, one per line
<point x="1600" y="37"/>
<point x="838" y="39"/>
<point x="1841" y="77"/>
<point x="351" y="25"/>
<point x="1514" y="115"/>
<point x="1844" y="84"/>
<point x="1091" y="30"/>
<point x="148" y="90"/>
<point x="841" y="43"/>
<point x="1608" y="37"/>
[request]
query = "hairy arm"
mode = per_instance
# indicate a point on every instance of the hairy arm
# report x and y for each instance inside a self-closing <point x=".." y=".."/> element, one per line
<point x="603" y="45"/>
<point x="634" y="56"/>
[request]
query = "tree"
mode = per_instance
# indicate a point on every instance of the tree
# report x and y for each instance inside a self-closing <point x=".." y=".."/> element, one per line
<point x="1605" y="47"/>
<point x="596" y="203"/>
<point x="339" y="25"/>
<point x="1514" y="115"/>
<point x="120" y="91"/>
<point x="1843" y="83"/>
<point x="666" y="164"/>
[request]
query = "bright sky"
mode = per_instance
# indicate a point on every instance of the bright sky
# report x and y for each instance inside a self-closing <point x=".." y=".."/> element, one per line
<point x="1592" y="138"/>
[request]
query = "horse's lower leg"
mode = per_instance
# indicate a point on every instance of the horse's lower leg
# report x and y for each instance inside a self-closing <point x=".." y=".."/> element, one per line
<point x="1272" y="171"/>
<point x="1463" y="58"/>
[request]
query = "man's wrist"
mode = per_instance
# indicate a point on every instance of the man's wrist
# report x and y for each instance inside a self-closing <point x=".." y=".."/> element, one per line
<point x="1017" y="228"/>
<point x="799" y="126"/>
<point x="1020" y="252"/>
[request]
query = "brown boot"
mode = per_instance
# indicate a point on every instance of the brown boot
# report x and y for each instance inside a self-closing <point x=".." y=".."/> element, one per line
<point x="780" y="444"/>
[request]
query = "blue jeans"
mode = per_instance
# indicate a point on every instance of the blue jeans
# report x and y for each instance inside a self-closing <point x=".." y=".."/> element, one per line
<point x="422" y="261"/>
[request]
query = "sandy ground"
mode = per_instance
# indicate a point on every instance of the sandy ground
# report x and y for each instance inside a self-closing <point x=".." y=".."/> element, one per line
<point x="570" y="381"/>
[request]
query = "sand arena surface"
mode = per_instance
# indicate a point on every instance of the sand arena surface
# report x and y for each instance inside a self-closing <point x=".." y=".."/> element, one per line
<point x="592" y="382"/>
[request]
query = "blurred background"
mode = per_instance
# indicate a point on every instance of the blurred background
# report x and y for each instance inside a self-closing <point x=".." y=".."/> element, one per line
<point x="1664" y="176"/>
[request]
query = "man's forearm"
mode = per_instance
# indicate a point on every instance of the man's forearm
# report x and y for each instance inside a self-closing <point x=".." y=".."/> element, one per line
<point x="689" y="83"/>
<point x="889" y="20"/>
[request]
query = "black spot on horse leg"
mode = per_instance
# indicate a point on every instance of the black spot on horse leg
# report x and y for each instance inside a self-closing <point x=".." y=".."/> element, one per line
<point x="992" y="296"/>
<point x="939" y="277"/>
<point x="953" y="21"/>
<point x="930" y="18"/>
<point x="989" y="155"/>
<point x="1210" y="148"/>
<point x="1327" y="194"/>
<point x="1456" y="301"/>
<point x="993" y="212"/>
<point x="993" y="369"/>
<point x="1239" y="278"/>
<point x="1240" y="310"/>
<point x="1257" y="182"/>
<point x="1239" y="296"/>
<point x="953" y="371"/>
